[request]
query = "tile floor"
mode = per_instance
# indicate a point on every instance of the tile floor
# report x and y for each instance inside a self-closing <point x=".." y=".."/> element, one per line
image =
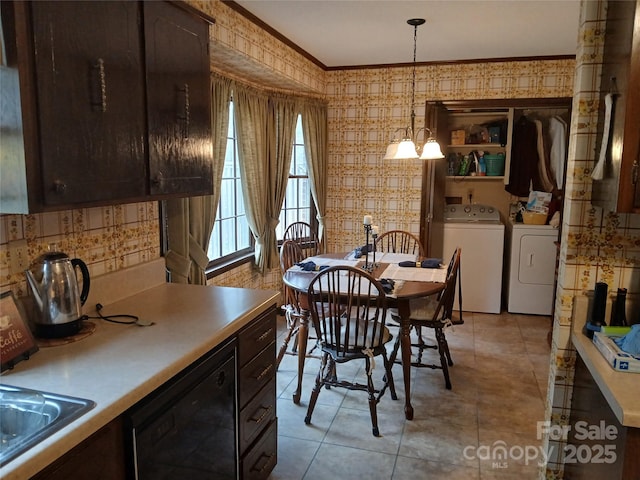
<point x="499" y="380"/>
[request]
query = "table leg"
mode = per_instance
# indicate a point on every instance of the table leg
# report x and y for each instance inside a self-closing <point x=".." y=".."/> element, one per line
<point x="405" y="350"/>
<point x="303" y="335"/>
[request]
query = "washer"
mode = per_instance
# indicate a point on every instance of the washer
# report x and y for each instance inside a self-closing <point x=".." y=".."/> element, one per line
<point x="477" y="229"/>
<point x="532" y="268"/>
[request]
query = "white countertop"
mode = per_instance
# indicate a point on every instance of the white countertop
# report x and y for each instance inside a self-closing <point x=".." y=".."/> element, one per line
<point x="620" y="389"/>
<point x="118" y="365"/>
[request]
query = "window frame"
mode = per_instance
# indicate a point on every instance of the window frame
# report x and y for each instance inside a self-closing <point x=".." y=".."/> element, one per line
<point x="231" y="261"/>
<point x="227" y="262"/>
<point x="313" y="220"/>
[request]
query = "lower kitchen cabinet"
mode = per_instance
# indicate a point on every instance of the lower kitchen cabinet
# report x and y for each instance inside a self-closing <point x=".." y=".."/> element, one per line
<point x="257" y="398"/>
<point x="99" y="457"/>
<point x="107" y="454"/>
<point x="258" y="463"/>
<point x="601" y="447"/>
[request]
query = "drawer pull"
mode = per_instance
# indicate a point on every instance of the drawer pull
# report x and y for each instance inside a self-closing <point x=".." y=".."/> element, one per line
<point x="265" y="372"/>
<point x="265" y="411"/>
<point x="267" y="462"/>
<point x="265" y="335"/>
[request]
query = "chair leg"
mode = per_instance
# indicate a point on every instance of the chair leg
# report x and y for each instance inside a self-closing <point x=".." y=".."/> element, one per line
<point x="372" y="399"/>
<point x="421" y="345"/>
<point x="394" y="351"/>
<point x="320" y="378"/>
<point x="446" y="349"/>
<point x="442" y="348"/>
<point x="388" y="377"/>
<point x="292" y="331"/>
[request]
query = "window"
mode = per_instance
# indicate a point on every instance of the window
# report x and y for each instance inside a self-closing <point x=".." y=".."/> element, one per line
<point x="231" y="237"/>
<point x="297" y="205"/>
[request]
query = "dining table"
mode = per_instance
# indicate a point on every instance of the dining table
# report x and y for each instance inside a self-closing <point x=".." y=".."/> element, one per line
<point x="409" y="283"/>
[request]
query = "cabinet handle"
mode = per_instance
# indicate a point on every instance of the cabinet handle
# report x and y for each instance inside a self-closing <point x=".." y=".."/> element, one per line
<point x="266" y="334"/>
<point x="265" y="411"/>
<point x="264" y="372"/>
<point x="158" y="180"/>
<point x="531" y="259"/>
<point x="634" y="172"/>
<point x="186" y="112"/>
<point x="102" y="79"/>
<point x="59" y="187"/>
<point x="268" y="457"/>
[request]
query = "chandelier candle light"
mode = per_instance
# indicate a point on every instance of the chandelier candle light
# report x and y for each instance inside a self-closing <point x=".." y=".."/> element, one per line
<point x="405" y="148"/>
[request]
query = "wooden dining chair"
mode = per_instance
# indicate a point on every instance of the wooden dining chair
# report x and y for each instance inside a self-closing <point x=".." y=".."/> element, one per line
<point x="290" y="254"/>
<point x="436" y="313"/>
<point x="400" y="241"/>
<point x="348" y="310"/>
<point x="305" y="236"/>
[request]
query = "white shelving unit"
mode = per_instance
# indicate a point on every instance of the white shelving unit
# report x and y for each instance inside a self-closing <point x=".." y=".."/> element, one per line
<point x="462" y="120"/>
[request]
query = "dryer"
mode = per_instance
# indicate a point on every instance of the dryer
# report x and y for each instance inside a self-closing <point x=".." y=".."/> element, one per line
<point x="477" y="229"/>
<point x="532" y="267"/>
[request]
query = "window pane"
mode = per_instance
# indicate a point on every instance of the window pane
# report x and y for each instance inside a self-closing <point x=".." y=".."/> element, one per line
<point x="297" y="201"/>
<point x="301" y="160"/>
<point x="230" y="232"/>
<point x="227" y="196"/>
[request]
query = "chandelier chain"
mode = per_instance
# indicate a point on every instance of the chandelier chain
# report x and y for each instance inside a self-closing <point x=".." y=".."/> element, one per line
<point x="413" y="80"/>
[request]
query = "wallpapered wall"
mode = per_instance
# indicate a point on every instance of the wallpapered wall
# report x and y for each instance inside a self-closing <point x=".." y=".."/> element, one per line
<point x="365" y="106"/>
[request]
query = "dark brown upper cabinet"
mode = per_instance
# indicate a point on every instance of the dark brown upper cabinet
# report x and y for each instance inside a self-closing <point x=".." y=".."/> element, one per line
<point x="111" y="104"/>
<point x="619" y="191"/>
<point x="179" y="100"/>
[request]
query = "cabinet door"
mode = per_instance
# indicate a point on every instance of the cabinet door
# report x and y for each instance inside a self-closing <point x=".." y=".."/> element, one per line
<point x="179" y="100"/>
<point x="89" y="77"/>
<point x="631" y="148"/>
<point x="99" y="457"/>
<point x="619" y="191"/>
<point x="434" y="174"/>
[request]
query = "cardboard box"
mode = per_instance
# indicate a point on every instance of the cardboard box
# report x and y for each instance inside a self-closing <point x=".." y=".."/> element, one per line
<point x="618" y="359"/>
<point x="457" y="137"/>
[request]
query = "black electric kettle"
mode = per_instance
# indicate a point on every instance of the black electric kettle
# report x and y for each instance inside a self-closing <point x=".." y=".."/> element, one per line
<point x="57" y="298"/>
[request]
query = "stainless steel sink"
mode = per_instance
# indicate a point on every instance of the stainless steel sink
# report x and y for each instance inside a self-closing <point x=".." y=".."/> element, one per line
<point x="29" y="416"/>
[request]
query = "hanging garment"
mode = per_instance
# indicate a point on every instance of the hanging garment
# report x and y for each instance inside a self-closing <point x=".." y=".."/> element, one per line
<point x="543" y="170"/>
<point x="558" y="149"/>
<point x="523" y="172"/>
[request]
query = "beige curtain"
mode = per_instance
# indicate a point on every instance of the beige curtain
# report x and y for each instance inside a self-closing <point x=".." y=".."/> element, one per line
<point x="251" y="109"/>
<point x="190" y="220"/>
<point x="266" y="126"/>
<point x="314" y="130"/>
<point x="283" y="114"/>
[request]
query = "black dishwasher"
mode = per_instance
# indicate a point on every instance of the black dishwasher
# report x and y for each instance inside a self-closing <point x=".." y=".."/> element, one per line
<point x="186" y="429"/>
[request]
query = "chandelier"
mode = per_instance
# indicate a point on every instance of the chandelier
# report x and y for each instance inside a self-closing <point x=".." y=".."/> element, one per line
<point x="405" y="147"/>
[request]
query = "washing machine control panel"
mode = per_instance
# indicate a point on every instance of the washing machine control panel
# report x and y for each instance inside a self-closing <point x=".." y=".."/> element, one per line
<point x="475" y="212"/>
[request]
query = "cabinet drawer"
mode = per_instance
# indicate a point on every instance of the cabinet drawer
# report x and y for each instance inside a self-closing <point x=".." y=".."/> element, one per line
<point x="258" y="413"/>
<point x="262" y="458"/>
<point x="257" y="373"/>
<point x="256" y="337"/>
